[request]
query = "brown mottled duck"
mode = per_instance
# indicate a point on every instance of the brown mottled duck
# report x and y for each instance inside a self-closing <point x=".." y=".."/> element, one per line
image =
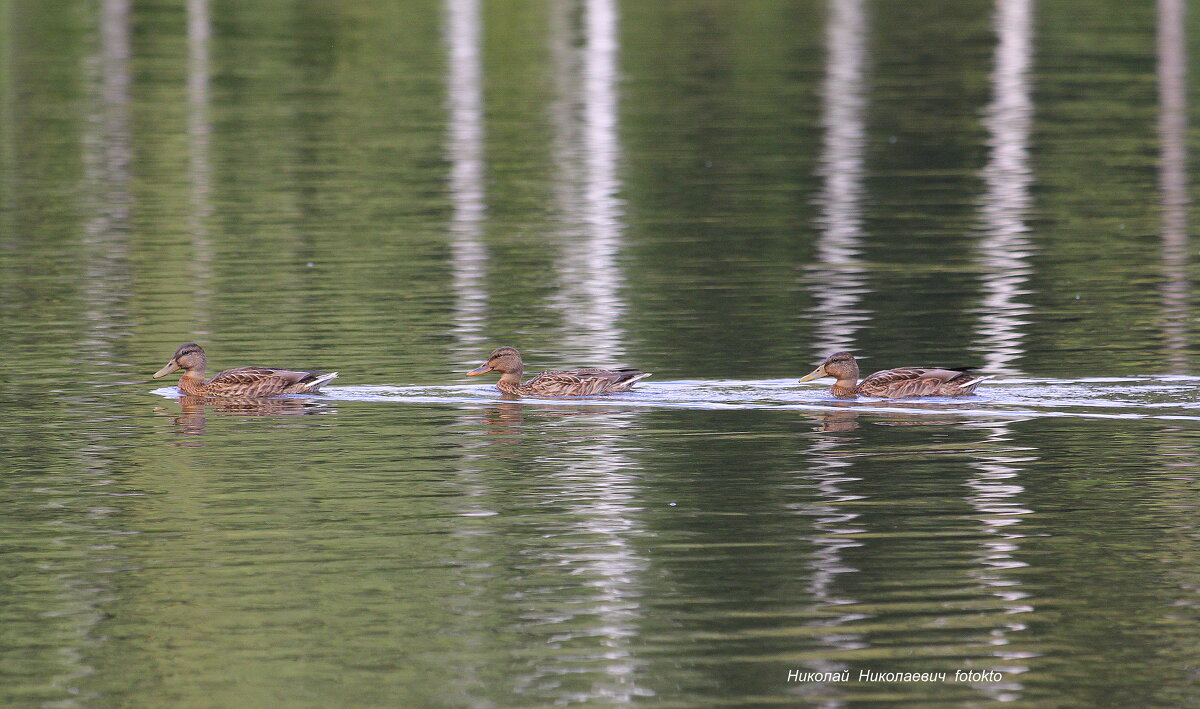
<point x="243" y="382"/>
<point x="574" y="382"/>
<point x="898" y="383"/>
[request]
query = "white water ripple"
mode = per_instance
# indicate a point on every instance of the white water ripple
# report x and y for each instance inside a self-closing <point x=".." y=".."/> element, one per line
<point x="1171" y="397"/>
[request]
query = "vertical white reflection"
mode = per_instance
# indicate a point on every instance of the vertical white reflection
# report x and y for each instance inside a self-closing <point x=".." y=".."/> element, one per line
<point x="840" y="278"/>
<point x="993" y="494"/>
<point x="587" y="152"/>
<point x="465" y="150"/>
<point x="462" y="33"/>
<point x="834" y="527"/>
<point x="839" y="282"/>
<point x="598" y="487"/>
<point x="1172" y="177"/>
<point x="1004" y="250"/>
<point x="107" y="139"/>
<point x="1004" y="253"/>
<point x="199" y="35"/>
<point x="107" y="152"/>
<point x="603" y="492"/>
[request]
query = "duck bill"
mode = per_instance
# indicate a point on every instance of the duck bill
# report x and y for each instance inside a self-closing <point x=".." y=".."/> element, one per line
<point x="815" y="374"/>
<point x="172" y="366"/>
<point x="481" y="369"/>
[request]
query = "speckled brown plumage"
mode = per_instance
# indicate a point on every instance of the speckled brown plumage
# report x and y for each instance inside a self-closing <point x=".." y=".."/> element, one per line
<point x="898" y="383"/>
<point x="588" y="381"/>
<point x="243" y="382"/>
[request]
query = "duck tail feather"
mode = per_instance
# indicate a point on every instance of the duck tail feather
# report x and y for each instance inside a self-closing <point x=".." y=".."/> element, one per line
<point x="321" y="381"/>
<point x="975" y="381"/>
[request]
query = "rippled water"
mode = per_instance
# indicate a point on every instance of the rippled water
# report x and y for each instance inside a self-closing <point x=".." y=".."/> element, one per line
<point x="721" y="193"/>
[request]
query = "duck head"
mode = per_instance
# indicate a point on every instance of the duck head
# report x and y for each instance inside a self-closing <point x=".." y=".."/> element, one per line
<point x="190" y="358"/>
<point x="839" y="365"/>
<point x="505" y="360"/>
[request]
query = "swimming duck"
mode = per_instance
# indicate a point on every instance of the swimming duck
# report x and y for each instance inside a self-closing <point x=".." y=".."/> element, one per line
<point x="898" y="383"/>
<point x="243" y="382"/>
<point x="574" y="382"/>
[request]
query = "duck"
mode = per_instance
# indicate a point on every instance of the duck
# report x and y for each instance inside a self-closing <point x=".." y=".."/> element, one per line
<point x="243" y="382"/>
<point x="898" y="383"/>
<point x="575" y="382"/>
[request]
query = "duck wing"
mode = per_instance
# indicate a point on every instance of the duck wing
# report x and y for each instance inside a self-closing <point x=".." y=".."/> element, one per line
<point x="267" y="381"/>
<point x="588" y="381"/>
<point x="904" y="382"/>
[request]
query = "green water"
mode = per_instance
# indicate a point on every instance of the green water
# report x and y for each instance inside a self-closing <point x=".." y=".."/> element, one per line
<point x="721" y="193"/>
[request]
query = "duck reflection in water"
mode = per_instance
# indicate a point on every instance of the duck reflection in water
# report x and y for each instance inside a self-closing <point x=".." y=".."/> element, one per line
<point x="193" y="415"/>
<point x="847" y="419"/>
<point x="506" y="418"/>
<point x="837" y="421"/>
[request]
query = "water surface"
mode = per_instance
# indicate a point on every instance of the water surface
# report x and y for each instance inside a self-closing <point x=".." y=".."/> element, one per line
<point x="721" y="193"/>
